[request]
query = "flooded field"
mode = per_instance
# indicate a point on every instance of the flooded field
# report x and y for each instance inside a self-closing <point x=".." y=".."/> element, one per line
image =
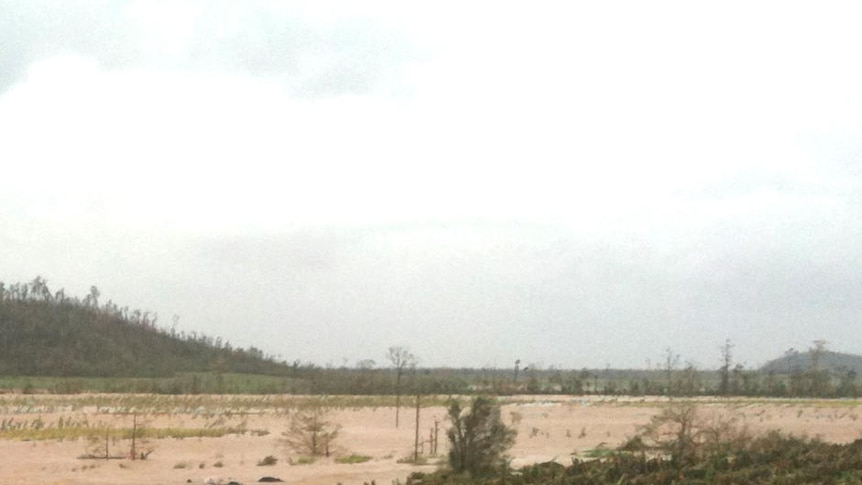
<point x="195" y="439"/>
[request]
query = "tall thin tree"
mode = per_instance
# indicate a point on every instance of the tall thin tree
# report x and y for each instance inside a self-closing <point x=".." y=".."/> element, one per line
<point x="401" y="359"/>
<point x="726" y="361"/>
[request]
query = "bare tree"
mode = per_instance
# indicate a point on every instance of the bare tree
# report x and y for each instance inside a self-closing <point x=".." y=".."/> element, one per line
<point x="726" y="361"/>
<point x="140" y="448"/>
<point x="682" y="430"/>
<point x="677" y="430"/>
<point x="39" y="289"/>
<point x="689" y="383"/>
<point x="92" y="299"/>
<point x="401" y="359"/>
<point x="671" y="361"/>
<point x="819" y="376"/>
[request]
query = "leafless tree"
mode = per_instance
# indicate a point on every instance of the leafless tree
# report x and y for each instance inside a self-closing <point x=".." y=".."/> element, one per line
<point x="726" y="361"/>
<point x="402" y="360"/>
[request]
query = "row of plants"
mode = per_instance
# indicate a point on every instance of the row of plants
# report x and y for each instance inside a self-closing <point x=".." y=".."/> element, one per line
<point x="205" y="405"/>
<point x="310" y="379"/>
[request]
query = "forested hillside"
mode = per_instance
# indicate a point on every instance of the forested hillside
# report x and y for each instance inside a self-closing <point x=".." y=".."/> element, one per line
<point x="795" y="361"/>
<point x="45" y="333"/>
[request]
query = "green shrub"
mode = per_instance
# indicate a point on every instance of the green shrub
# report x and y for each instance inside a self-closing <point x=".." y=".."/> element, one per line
<point x="351" y="459"/>
<point x="410" y="460"/>
<point x="478" y="438"/>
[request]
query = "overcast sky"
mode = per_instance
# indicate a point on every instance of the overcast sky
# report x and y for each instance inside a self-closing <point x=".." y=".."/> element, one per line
<point x="571" y="184"/>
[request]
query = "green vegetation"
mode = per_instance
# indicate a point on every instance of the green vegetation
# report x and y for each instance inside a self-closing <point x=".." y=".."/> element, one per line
<point x="478" y="438"/>
<point x="796" y="361"/>
<point x="413" y="460"/>
<point x="352" y="459"/>
<point x="25" y="434"/>
<point x="45" y="333"/>
<point x="599" y="452"/>
<point x="770" y="459"/>
<point x="179" y="383"/>
<point x="202" y="405"/>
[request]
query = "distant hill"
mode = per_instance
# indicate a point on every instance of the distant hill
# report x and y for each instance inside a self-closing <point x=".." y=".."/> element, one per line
<point x="795" y="361"/>
<point x="43" y="333"/>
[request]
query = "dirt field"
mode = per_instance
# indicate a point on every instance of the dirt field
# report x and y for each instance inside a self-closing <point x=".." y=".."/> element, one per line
<point x="549" y="428"/>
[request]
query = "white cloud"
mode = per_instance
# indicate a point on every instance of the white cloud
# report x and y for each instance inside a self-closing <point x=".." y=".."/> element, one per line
<point x="668" y="150"/>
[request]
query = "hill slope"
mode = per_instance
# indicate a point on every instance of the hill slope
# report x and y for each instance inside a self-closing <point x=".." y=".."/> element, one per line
<point x="794" y="361"/>
<point x="49" y="334"/>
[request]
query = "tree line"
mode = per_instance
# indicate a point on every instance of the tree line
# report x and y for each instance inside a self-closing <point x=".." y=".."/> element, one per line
<point x="51" y="333"/>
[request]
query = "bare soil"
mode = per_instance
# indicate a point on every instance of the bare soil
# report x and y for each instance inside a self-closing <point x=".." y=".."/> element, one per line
<point x="549" y="428"/>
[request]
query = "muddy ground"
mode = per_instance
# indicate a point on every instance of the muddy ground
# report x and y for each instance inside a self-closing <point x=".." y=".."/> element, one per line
<point x="549" y="428"/>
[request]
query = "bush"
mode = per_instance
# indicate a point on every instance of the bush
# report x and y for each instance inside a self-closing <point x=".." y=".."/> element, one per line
<point x="309" y="432"/>
<point x="268" y="461"/>
<point x="303" y="460"/>
<point x="684" y="433"/>
<point x="351" y="459"/>
<point x="771" y="459"/>
<point x="478" y="439"/>
<point x="412" y="460"/>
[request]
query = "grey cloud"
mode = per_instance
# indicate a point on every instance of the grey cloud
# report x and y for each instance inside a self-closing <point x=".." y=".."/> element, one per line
<point x="531" y="291"/>
<point x="349" y="56"/>
<point x="476" y="293"/>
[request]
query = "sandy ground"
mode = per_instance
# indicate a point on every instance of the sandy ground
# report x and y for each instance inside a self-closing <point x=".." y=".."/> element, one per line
<point x="548" y="429"/>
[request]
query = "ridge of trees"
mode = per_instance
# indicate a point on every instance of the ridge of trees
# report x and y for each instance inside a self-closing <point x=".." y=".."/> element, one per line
<point x="46" y="333"/>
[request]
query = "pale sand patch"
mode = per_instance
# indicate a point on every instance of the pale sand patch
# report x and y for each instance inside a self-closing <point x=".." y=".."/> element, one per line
<point x="549" y="428"/>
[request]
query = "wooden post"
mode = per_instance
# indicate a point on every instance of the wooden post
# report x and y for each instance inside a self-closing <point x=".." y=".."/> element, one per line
<point x="434" y="446"/>
<point x="397" y="401"/>
<point x="134" y="433"/>
<point x="416" y="438"/>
